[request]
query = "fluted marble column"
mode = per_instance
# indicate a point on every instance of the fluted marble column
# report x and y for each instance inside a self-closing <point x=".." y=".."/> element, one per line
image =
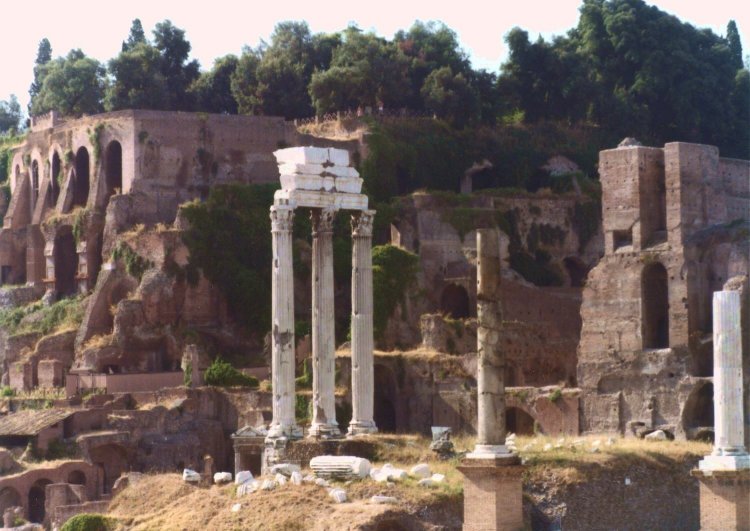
<point x="363" y="372"/>
<point x="729" y="429"/>
<point x="282" y="325"/>
<point x="323" y="329"/>
<point x="491" y="358"/>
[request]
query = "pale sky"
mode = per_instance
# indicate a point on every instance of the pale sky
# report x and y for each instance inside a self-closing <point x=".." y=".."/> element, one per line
<point x="218" y="27"/>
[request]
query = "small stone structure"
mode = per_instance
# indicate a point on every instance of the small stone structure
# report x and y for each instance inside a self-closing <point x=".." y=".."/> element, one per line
<point x="492" y="485"/>
<point x="725" y="474"/>
<point x="322" y="180"/>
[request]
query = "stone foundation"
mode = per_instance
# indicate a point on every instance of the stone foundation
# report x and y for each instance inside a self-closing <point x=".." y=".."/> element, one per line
<point x="492" y="494"/>
<point x="724" y="499"/>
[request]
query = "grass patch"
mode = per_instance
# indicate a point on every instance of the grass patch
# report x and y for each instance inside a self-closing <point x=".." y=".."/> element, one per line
<point x="66" y="314"/>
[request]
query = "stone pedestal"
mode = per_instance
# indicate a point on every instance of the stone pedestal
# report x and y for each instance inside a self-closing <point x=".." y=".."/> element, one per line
<point x="724" y="499"/>
<point x="363" y="370"/>
<point x="492" y="493"/>
<point x="323" y="331"/>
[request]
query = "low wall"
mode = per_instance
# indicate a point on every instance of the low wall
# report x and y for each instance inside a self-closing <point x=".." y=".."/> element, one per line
<point x="123" y="383"/>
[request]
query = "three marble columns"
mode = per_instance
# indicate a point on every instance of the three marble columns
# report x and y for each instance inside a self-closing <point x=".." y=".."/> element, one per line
<point x="323" y="333"/>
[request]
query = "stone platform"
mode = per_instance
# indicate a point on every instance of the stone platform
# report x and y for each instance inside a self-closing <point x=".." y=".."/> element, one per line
<point x="492" y="493"/>
<point x="724" y="499"/>
<point x="301" y="451"/>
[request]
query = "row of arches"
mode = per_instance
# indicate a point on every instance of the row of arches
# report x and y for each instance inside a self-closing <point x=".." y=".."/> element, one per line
<point x="35" y="499"/>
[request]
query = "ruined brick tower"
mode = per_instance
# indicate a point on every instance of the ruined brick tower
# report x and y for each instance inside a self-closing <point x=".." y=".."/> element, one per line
<point x="676" y="229"/>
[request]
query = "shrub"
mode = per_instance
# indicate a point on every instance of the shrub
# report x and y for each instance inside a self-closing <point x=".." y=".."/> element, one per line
<point x="221" y="374"/>
<point x="555" y="395"/>
<point x="89" y="522"/>
<point x="394" y="271"/>
<point x="8" y="391"/>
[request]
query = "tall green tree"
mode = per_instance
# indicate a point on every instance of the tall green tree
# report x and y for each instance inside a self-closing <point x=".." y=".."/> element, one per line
<point x="212" y="91"/>
<point x="136" y="36"/>
<point x="735" y="45"/>
<point x="10" y="115"/>
<point x="137" y="80"/>
<point x="450" y="96"/>
<point x="177" y="70"/>
<point x="73" y="85"/>
<point x="43" y="56"/>
<point x="244" y="82"/>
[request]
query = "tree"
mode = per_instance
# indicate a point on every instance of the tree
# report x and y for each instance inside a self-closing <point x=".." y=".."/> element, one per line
<point x="137" y="80"/>
<point x="735" y="45"/>
<point x="244" y="82"/>
<point x="43" y="56"/>
<point x="136" y="36"/>
<point x="449" y="96"/>
<point x="10" y="115"/>
<point x="178" y="72"/>
<point x="212" y="91"/>
<point x="73" y="85"/>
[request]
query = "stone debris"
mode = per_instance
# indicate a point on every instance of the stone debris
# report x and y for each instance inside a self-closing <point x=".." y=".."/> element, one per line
<point x="248" y="487"/>
<point x="285" y="469"/>
<point x="191" y="476"/>
<point x="527" y="447"/>
<point x="658" y="435"/>
<point x="596" y="443"/>
<point x="383" y="499"/>
<point x="243" y="477"/>
<point x="296" y="478"/>
<point x="388" y="473"/>
<point x="441" y="442"/>
<point x="280" y="479"/>
<point x="422" y="470"/>
<point x="547" y="447"/>
<point x="268" y="484"/>
<point x="320" y="482"/>
<point x="236" y="507"/>
<point x="340" y="466"/>
<point x="221" y="478"/>
<point x="309" y="478"/>
<point x="427" y="482"/>
<point x="338" y="495"/>
<point x="610" y="441"/>
<point x="438" y="478"/>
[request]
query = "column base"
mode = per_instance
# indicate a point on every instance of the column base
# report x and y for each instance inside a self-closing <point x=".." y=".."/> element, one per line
<point x="724" y="462"/>
<point x="489" y="451"/>
<point x="492" y="493"/>
<point x="724" y="499"/>
<point x="324" y="431"/>
<point x="277" y="431"/>
<point x="361" y="428"/>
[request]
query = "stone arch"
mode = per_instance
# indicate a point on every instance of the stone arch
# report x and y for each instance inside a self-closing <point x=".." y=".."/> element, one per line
<point x="454" y="302"/>
<point x="654" y="306"/>
<point x="37" y="498"/>
<point x="9" y="497"/>
<point x="698" y="413"/>
<point x="385" y="399"/>
<point x="577" y="271"/>
<point x="113" y="167"/>
<point x="519" y="421"/>
<point x="66" y="262"/>
<point x="55" y="178"/>
<point x="111" y="459"/>
<point x="76" y="477"/>
<point x="81" y="181"/>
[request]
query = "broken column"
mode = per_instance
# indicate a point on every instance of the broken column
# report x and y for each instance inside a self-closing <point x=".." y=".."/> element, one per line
<point x="725" y="474"/>
<point x="323" y="331"/>
<point x="282" y="325"/>
<point x="492" y="484"/>
<point x="363" y="372"/>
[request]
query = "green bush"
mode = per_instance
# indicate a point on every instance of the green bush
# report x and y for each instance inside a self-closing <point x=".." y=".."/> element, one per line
<point x="89" y="522"/>
<point x="394" y="271"/>
<point x="66" y="313"/>
<point x="8" y="391"/>
<point x="221" y="374"/>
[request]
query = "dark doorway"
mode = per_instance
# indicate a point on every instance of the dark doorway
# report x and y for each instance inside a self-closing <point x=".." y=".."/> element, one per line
<point x="455" y="302"/>
<point x="34" y="184"/>
<point x="66" y="263"/>
<point x="655" y="306"/>
<point x="81" y="182"/>
<point x="114" y="168"/>
<point x="699" y="410"/>
<point x="77" y="477"/>
<point x="385" y="399"/>
<point x="111" y="459"/>
<point x="55" y="180"/>
<point x="519" y="422"/>
<point x="37" y="497"/>
<point x="577" y="271"/>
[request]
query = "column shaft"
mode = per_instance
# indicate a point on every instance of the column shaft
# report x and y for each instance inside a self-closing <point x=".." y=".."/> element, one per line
<point x="728" y="407"/>
<point x="282" y="325"/>
<point x="323" y="328"/>
<point x="363" y="372"/>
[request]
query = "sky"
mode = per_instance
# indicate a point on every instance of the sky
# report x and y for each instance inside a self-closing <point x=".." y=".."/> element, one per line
<point x="219" y="27"/>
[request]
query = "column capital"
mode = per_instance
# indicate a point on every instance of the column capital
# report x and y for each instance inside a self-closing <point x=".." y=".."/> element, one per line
<point x="362" y="223"/>
<point x="282" y="218"/>
<point x="322" y="219"/>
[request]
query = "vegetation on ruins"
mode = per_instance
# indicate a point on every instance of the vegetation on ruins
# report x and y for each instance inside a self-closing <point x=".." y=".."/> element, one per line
<point x="89" y="522"/>
<point x="135" y="264"/>
<point x="43" y="319"/>
<point x="394" y="272"/>
<point x="222" y="374"/>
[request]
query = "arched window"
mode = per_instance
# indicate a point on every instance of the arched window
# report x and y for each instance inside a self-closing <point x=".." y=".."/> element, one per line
<point x="56" y="177"/>
<point x="654" y="306"/>
<point x="698" y="415"/>
<point x="455" y="302"/>
<point x="34" y="183"/>
<point x="81" y="184"/>
<point x="113" y="167"/>
<point x="66" y="262"/>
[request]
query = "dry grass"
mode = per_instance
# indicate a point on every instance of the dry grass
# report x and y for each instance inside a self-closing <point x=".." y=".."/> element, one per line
<point x="99" y="341"/>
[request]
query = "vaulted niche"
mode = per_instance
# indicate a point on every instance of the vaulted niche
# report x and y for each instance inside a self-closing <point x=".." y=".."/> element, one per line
<point x="81" y="182"/>
<point x="655" y="306"/>
<point x="113" y="168"/>
<point x="56" y="178"/>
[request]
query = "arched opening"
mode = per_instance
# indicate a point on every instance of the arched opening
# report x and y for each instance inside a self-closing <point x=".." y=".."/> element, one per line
<point x="37" y="497"/>
<point x="55" y="179"/>
<point x="455" y="302"/>
<point x="81" y="182"/>
<point x="385" y="399"/>
<point x="698" y="415"/>
<point x="518" y="421"/>
<point x="113" y="168"/>
<point x="655" y="306"/>
<point x="9" y="497"/>
<point x="34" y="183"/>
<point x="577" y="271"/>
<point x="77" y="477"/>
<point x="66" y="262"/>
<point x="111" y="459"/>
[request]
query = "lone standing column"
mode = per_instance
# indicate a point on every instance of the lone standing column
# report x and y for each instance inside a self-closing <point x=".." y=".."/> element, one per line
<point x="363" y="374"/>
<point x="729" y="430"/>
<point x="282" y="326"/>
<point x="491" y="362"/>
<point x="323" y="330"/>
